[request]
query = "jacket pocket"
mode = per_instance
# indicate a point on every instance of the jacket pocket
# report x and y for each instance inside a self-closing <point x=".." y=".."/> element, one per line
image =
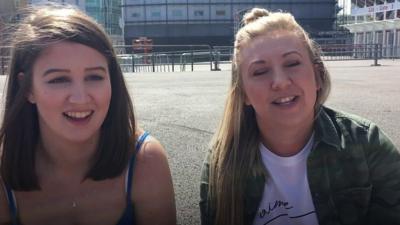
<point x="352" y="204"/>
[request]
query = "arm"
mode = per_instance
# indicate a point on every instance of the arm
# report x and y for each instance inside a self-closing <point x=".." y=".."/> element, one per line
<point x="153" y="194"/>
<point x="384" y="163"/>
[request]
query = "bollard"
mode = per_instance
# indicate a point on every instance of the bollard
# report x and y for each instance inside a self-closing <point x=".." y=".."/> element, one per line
<point x="216" y="61"/>
<point x="191" y="56"/>
<point x="173" y="65"/>
<point x="376" y="55"/>
<point x="133" y="63"/>
<point x="152" y="63"/>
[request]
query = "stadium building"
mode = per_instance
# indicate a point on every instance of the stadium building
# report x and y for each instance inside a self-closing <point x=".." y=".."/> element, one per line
<point x="106" y="12"/>
<point x="213" y="22"/>
<point x="376" y="22"/>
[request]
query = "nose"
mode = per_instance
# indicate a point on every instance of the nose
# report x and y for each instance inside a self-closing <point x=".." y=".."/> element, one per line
<point x="78" y="94"/>
<point x="280" y="80"/>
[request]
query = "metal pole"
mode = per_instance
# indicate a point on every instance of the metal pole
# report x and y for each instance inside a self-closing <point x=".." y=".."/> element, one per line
<point x="191" y="56"/>
<point x="173" y="65"/>
<point x="376" y="55"/>
<point x="211" y="58"/>
<point x="152" y="62"/>
<point x="133" y="63"/>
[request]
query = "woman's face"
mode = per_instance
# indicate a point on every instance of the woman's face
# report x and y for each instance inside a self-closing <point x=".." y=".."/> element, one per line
<point x="72" y="91"/>
<point x="279" y="80"/>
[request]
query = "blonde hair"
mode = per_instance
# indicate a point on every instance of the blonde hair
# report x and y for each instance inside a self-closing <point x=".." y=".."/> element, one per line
<point x="235" y="155"/>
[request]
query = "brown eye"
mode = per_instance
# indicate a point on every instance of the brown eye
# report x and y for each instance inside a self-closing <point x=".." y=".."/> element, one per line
<point x="58" y="80"/>
<point x="94" y="77"/>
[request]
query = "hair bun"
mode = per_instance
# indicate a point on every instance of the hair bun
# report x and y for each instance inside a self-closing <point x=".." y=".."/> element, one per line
<point x="253" y="15"/>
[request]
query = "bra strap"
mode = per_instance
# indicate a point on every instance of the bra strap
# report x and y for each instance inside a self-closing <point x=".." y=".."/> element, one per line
<point x="11" y="204"/>
<point x="138" y="146"/>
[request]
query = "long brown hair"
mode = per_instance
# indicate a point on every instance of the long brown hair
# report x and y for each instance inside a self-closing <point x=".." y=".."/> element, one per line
<point x="42" y="26"/>
<point x="235" y="154"/>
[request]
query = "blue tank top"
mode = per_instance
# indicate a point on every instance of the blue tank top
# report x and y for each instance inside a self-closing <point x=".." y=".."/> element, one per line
<point x="128" y="216"/>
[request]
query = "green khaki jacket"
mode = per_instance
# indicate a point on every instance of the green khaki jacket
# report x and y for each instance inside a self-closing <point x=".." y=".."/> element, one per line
<point x="353" y="172"/>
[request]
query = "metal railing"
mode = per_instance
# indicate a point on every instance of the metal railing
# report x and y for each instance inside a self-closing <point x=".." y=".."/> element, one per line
<point x="165" y="58"/>
<point x="173" y="58"/>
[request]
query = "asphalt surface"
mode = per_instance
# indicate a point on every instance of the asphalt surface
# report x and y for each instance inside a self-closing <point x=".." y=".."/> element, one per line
<point x="182" y="110"/>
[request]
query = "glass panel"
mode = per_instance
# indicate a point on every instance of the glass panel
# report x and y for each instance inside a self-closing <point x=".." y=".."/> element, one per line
<point x="370" y="3"/>
<point x="390" y="15"/>
<point x="379" y="16"/>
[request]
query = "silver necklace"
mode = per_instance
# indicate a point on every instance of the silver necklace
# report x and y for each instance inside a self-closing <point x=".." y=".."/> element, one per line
<point x="74" y="204"/>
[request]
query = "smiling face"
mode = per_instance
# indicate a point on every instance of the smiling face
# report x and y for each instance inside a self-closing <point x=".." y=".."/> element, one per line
<point x="72" y="91"/>
<point x="279" y="80"/>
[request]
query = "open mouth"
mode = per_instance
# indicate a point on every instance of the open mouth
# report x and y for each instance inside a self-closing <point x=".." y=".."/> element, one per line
<point x="285" y="100"/>
<point x="78" y="116"/>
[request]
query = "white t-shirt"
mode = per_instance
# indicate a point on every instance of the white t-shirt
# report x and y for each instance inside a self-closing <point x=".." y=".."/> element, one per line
<point x="286" y="198"/>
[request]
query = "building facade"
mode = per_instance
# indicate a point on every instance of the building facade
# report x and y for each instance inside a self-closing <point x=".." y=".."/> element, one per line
<point x="376" y="22"/>
<point x="106" y="12"/>
<point x="213" y="22"/>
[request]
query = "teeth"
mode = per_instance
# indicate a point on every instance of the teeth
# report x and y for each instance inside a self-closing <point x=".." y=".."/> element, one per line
<point x="284" y="100"/>
<point x="78" y="115"/>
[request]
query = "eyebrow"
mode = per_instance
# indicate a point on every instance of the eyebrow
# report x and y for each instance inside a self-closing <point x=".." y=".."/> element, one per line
<point x="96" y="68"/>
<point x="258" y="62"/>
<point x="292" y="52"/>
<point x="54" y="70"/>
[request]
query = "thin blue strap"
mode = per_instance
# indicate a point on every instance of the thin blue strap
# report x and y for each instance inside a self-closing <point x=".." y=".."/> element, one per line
<point x="11" y="205"/>
<point x="139" y="143"/>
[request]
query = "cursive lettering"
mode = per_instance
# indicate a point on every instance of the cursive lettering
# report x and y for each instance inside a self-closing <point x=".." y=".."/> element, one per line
<point x="273" y="206"/>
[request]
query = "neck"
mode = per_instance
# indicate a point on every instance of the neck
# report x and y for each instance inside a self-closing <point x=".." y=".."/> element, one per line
<point x="286" y="140"/>
<point x="64" y="159"/>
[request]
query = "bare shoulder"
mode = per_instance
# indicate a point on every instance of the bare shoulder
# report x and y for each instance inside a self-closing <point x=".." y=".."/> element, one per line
<point x="151" y="150"/>
<point x="153" y="193"/>
<point x="4" y="210"/>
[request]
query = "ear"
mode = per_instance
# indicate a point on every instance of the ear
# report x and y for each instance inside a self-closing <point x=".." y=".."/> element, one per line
<point x="30" y="97"/>
<point x="246" y="100"/>
<point x="317" y="72"/>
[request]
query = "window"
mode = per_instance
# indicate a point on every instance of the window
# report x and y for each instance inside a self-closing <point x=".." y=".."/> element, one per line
<point x="220" y="12"/>
<point x="369" y="3"/>
<point x="360" y="19"/>
<point x="398" y="13"/>
<point x="135" y="14"/>
<point x="156" y="14"/>
<point x="389" y="1"/>
<point x="177" y="13"/>
<point x="360" y="3"/>
<point x="390" y="15"/>
<point x="198" y="13"/>
<point x="380" y="2"/>
<point x="379" y="16"/>
<point x="369" y="17"/>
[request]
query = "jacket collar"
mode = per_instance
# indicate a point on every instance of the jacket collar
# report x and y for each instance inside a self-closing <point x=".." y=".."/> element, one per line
<point x="325" y="130"/>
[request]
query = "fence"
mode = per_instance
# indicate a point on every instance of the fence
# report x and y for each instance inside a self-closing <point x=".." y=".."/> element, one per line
<point x="165" y="58"/>
<point x="173" y="58"/>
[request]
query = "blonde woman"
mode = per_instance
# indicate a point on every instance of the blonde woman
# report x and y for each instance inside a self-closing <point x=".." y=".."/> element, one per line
<point x="280" y="156"/>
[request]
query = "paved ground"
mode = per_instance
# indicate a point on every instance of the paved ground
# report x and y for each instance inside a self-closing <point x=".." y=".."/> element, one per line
<point x="182" y="110"/>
